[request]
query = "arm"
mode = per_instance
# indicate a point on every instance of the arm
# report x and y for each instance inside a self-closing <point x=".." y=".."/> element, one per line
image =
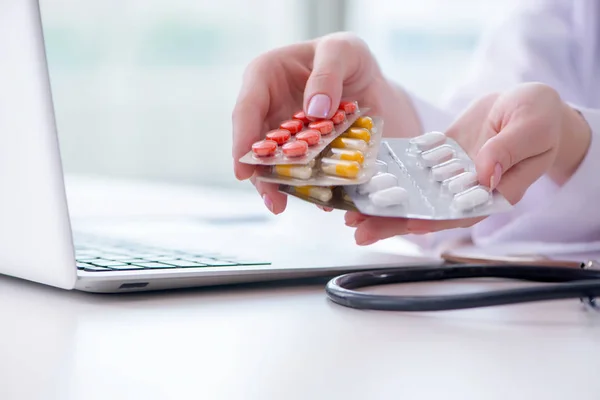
<point x="557" y="209"/>
<point x="543" y="42"/>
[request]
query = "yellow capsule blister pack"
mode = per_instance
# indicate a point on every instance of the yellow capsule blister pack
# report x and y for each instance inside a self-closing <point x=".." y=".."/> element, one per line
<point x="350" y="159"/>
<point x="326" y="196"/>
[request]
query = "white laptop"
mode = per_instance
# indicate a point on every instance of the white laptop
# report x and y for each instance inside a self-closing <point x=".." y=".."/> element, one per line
<point x="37" y="240"/>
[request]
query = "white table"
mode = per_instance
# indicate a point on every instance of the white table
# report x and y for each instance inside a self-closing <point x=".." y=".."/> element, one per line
<point x="286" y="342"/>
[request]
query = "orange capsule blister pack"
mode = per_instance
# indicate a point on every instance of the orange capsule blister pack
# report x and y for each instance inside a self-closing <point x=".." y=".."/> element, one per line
<point x="350" y="159"/>
<point x="298" y="141"/>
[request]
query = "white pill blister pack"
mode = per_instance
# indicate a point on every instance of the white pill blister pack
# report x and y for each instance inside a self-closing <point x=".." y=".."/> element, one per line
<point x="427" y="177"/>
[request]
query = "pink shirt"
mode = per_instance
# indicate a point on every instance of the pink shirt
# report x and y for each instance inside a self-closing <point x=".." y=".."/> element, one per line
<point x="556" y="42"/>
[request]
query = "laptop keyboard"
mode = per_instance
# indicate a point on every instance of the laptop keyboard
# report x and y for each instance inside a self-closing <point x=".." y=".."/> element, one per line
<point x="95" y="257"/>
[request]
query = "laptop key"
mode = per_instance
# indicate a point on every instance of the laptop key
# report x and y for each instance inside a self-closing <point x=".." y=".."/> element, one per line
<point x="125" y="267"/>
<point x="154" y="265"/>
<point x="183" y="263"/>
<point x="86" y="259"/>
<point x="132" y="260"/>
<point x="81" y="265"/>
<point x="116" y="257"/>
<point x="162" y="258"/>
<point x="148" y="256"/>
<point x="106" y="263"/>
<point x="93" y="268"/>
<point x="211" y="262"/>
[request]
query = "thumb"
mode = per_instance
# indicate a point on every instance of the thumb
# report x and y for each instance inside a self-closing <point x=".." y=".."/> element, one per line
<point x="335" y="59"/>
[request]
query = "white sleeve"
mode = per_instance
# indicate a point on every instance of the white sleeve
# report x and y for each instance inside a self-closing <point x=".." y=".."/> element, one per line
<point x="542" y="41"/>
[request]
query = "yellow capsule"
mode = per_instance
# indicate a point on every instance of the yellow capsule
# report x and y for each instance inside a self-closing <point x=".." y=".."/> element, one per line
<point x="342" y="168"/>
<point x="364" y="122"/>
<point x="323" y="194"/>
<point x="348" y="143"/>
<point x="346" y="197"/>
<point x="348" y="155"/>
<point x="358" y="133"/>
<point x="293" y="171"/>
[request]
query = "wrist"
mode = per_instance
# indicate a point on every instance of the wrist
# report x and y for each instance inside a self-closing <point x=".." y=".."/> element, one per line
<point x="575" y="138"/>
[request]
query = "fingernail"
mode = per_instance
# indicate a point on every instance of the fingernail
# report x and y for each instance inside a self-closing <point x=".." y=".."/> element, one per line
<point x="319" y="106"/>
<point x="495" y="179"/>
<point x="268" y="202"/>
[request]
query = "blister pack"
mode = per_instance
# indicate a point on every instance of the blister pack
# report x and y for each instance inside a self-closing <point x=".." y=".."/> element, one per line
<point x="428" y="177"/>
<point x="326" y="196"/>
<point x="298" y="140"/>
<point x="350" y="159"/>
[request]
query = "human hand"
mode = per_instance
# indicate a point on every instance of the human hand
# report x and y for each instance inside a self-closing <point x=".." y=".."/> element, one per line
<point x="514" y="138"/>
<point x="314" y="76"/>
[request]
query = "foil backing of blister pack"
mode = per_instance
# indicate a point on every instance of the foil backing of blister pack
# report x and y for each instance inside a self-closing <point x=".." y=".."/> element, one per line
<point x="313" y="151"/>
<point x="426" y="197"/>
<point x="339" y="200"/>
<point x="370" y="166"/>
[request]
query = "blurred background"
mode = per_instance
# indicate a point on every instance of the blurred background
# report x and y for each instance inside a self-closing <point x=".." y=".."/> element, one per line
<point x="145" y="88"/>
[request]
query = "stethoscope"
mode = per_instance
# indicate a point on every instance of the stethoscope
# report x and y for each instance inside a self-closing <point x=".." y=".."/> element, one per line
<point x="565" y="280"/>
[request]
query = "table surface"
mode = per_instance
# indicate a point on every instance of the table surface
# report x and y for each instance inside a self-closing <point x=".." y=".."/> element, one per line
<point x="284" y="341"/>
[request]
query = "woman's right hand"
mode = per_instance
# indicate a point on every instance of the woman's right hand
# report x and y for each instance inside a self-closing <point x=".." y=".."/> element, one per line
<point x="313" y="76"/>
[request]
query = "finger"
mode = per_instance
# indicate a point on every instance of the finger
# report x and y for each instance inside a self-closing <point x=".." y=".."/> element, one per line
<point x="336" y="58"/>
<point x="519" y="178"/>
<point x="353" y="218"/>
<point x="374" y="229"/>
<point x="274" y="200"/>
<point x="326" y="209"/>
<point x="513" y="144"/>
<point x="248" y="118"/>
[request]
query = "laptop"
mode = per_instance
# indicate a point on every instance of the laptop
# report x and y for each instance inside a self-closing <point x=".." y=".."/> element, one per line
<point x="37" y="239"/>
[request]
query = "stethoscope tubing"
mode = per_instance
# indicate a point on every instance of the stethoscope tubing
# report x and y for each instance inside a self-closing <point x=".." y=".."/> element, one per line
<point x="564" y="283"/>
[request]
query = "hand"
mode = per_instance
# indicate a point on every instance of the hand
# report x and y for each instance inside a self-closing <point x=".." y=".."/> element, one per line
<point x="514" y="138"/>
<point x="313" y="76"/>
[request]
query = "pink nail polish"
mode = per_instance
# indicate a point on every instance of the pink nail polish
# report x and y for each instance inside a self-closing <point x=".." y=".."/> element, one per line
<point x="319" y="106"/>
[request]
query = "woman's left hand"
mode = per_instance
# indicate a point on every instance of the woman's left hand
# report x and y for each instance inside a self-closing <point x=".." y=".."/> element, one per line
<point x="514" y="138"/>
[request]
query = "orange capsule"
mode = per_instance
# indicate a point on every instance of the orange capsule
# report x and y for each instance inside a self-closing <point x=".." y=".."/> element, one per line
<point x="264" y="148"/>
<point x="293" y="126"/>
<point x="325" y="127"/>
<point x="279" y="136"/>
<point x="297" y="148"/>
<point x="310" y="136"/>
<point x="339" y="117"/>
<point x="349" y="107"/>
<point x="301" y="116"/>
